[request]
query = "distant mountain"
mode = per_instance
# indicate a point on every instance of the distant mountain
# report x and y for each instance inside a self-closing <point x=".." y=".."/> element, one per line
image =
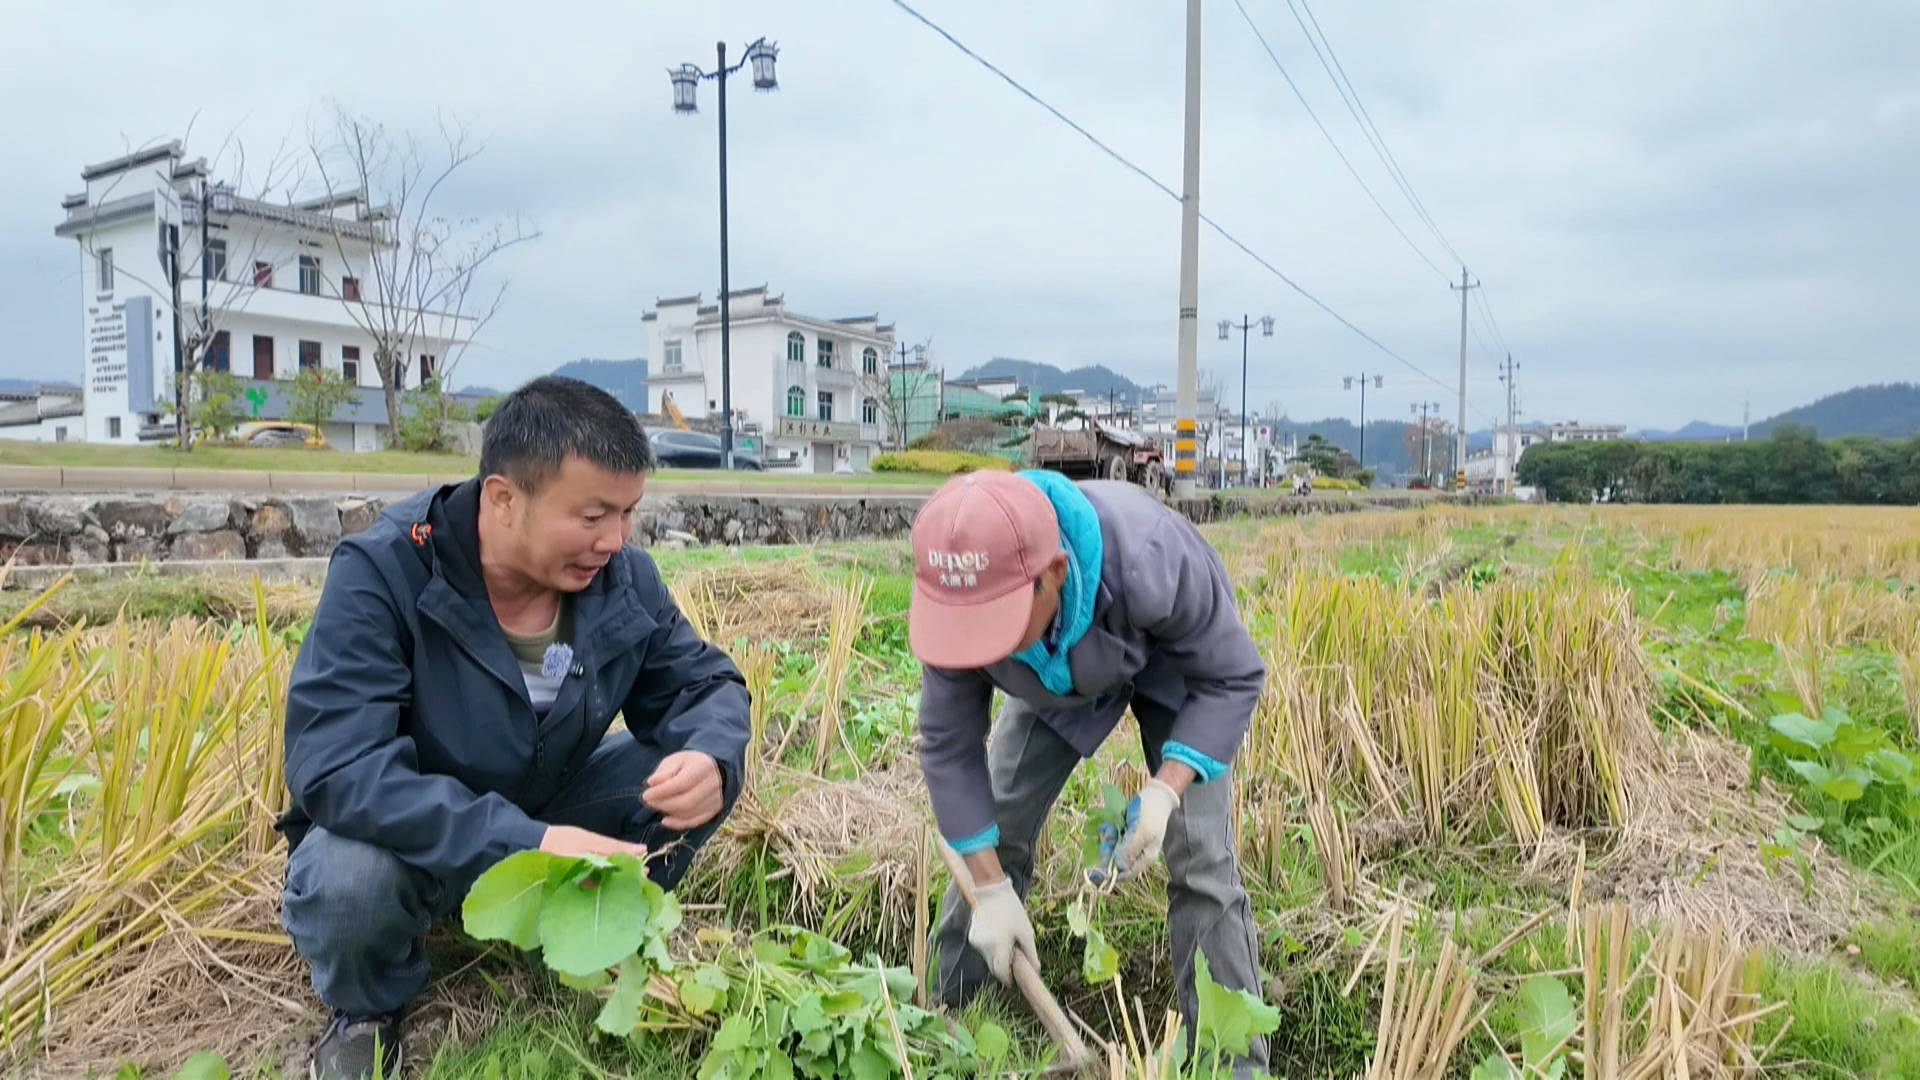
<point x="624" y="379"/>
<point x="1889" y="410"/>
<point x="1096" y="379"/>
<point x="1693" y="431"/>
<point x="26" y="386"/>
<point x="479" y="391"/>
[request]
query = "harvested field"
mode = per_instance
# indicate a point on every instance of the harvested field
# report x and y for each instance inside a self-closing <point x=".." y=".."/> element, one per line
<point x="1499" y="750"/>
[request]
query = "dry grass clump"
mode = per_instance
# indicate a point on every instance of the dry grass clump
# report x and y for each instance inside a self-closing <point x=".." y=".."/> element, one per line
<point x="1520" y="705"/>
<point x="761" y="601"/>
<point x="848" y="853"/>
<point x="1827" y="541"/>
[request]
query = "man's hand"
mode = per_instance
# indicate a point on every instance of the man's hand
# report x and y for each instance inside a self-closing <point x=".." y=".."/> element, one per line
<point x="567" y="840"/>
<point x="1000" y="926"/>
<point x="685" y="789"/>
<point x="1147" y="815"/>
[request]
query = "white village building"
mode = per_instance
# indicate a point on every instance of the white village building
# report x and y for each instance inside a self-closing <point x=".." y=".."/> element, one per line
<point x="808" y="393"/>
<point x="276" y="278"/>
<point x="1495" y="468"/>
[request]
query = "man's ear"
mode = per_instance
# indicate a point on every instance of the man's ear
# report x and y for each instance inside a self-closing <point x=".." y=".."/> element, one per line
<point x="499" y="493"/>
<point x="1057" y="569"/>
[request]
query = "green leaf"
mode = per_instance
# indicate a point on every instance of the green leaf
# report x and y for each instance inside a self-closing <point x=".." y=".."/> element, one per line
<point x="1113" y="807"/>
<point x="778" y="1066"/>
<point x="584" y="930"/>
<point x="205" y="1065"/>
<point x="870" y="1064"/>
<point x="1798" y="730"/>
<point x="585" y="984"/>
<point x="735" y="1032"/>
<point x="1811" y="771"/>
<point x="1848" y="786"/>
<point x="808" y="1016"/>
<point x="622" y="1011"/>
<point x="1805" y="822"/>
<point x="504" y="903"/>
<point x="703" y="989"/>
<point x="1495" y="1067"/>
<point x="1547" y="1019"/>
<point x="1077" y="919"/>
<point x="1229" y="1019"/>
<point x="992" y="1041"/>
<point x="1099" y="961"/>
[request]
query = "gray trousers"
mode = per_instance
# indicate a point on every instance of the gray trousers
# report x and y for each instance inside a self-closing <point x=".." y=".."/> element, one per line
<point x="1207" y="907"/>
<point x="357" y="914"/>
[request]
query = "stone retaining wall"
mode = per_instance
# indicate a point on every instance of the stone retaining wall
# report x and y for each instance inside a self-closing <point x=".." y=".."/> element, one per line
<point x="47" y="530"/>
<point x="50" y="529"/>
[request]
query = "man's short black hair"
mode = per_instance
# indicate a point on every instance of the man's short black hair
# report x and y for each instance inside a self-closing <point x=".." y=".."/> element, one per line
<point x="551" y="417"/>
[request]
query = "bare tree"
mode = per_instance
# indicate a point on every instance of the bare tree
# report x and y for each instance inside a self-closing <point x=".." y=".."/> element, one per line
<point x="199" y="252"/>
<point x="423" y="264"/>
<point x="1208" y="387"/>
<point x="897" y="385"/>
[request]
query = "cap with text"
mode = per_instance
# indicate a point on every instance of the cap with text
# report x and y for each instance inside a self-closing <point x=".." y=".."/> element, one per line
<point x="978" y="546"/>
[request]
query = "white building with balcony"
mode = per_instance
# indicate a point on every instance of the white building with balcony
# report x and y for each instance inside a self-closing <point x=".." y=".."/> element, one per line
<point x="808" y="393"/>
<point x="278" y="280"/>
<point x="1496" y="468"/>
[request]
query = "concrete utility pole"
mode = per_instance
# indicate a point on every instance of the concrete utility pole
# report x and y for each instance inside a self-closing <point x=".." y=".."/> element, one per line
<point x="1189" y="377"/>
<point x="1512" y="452"/>
<point x="1460" y="436"/>
<point x="1746" y="416"/>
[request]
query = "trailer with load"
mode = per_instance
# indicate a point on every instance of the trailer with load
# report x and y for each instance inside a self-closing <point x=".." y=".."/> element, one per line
<point x="1096" y="451"/>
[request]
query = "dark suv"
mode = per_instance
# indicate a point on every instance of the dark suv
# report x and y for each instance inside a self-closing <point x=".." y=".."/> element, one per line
<point x="677" y="449"/>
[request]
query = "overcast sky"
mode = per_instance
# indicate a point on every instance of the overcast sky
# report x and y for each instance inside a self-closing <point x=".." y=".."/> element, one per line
<point x="1672" y="205"/>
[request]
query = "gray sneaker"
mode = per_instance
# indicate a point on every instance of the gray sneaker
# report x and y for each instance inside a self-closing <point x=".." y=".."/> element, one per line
<point x="358" y="1048"/>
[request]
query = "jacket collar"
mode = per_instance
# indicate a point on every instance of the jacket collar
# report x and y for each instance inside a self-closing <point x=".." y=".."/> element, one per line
<point x="606" y="616"/>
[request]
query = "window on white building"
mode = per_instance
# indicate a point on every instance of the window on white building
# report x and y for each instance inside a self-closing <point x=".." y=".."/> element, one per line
<point x="870" y="410"/>
<point x="796" y="348"/>
<point x="104" y="270"/>
<point x="310" y="275"/>
<point x="216" y="267"/>
<point x="426" y="367"/>
<point x="113" y="427"/>
<point x="826" y="405"/>
<point x="350" y="364"/>
<point x="826" y="353"/>
<point x="796" y="401"/>
<point x="870" y="361"/>
<point x="670" y="358"/>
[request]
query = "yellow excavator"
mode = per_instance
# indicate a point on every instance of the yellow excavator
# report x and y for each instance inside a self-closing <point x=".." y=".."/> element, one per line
<point x="673" y="412"/>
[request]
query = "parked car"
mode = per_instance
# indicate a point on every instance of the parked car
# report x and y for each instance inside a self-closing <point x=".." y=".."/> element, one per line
<point x="677" y="449"/>
<point x="279" y="433"/>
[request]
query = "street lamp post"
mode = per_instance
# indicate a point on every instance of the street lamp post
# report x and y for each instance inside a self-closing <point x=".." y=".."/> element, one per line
<point x="1348" y="381"/>
<point x="1246" y="325"/>
<point x="685" y="79"/>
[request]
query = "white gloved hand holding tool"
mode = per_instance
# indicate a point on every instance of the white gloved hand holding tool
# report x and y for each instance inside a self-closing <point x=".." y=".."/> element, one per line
<point x="1000" y="925"/>
<point x="1147" y="815"/>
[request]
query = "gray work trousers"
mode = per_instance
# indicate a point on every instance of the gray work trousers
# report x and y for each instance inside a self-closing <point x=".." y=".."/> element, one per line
<point x="1207" y="906"/>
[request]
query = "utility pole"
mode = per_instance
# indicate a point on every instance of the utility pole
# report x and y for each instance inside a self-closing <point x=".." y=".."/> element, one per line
<point x="1421" y="409"/>
<point x="1746" y="416"/>
<point x="1348" y="380"/>
<point x="1460" y="435"/>
<point x="1246" y="328"/>
<point x="1189" y="376"/>
<point x="1511" y="452"/>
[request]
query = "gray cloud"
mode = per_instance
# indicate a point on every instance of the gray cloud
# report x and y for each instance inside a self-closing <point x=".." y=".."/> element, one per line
<point x="1671" y="206"/>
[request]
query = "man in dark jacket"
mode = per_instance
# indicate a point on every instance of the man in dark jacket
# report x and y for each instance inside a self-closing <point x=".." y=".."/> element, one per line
<point x="1080" y="602"/>
<point x="452" y="703"/>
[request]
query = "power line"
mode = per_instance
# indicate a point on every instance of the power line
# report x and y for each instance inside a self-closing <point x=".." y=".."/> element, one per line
<point x="1170" y="193"/>
<point x="1278" y="66"/>
<point x="1487" y="306"/>
<point x="1351" y="97"/>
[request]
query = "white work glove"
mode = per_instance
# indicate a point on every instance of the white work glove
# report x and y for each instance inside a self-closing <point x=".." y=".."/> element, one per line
<point x="1000" y="926"/>
<point x="1147" y="815"/>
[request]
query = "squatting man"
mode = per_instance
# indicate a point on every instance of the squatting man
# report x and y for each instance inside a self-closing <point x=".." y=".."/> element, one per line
<point x="453" y="700"/>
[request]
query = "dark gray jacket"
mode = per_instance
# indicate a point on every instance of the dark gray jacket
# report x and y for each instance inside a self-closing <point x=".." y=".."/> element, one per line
<point x="1164" y="628"/>
<point x="408" y="721"/>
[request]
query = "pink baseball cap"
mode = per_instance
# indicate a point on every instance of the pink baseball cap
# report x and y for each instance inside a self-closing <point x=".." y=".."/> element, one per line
<point x="979" y="544"/>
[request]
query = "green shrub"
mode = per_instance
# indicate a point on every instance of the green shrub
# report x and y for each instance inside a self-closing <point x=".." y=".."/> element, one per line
<point x="943" y="462"/>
